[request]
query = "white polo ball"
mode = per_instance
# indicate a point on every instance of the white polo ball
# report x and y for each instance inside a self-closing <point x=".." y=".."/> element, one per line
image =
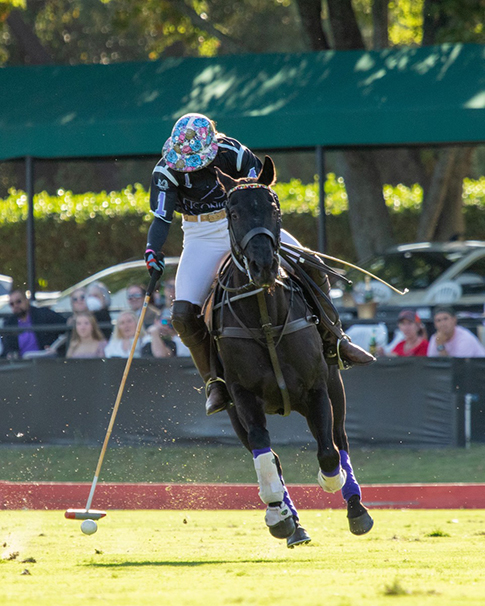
<point x="89" y="527"/>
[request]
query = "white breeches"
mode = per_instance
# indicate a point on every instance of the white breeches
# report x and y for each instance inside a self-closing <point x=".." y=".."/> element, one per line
<point x="205" y="247"/>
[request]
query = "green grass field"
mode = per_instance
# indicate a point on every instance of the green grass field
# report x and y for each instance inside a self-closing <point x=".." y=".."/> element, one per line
<point x="421" y="558"/>
<point x="222" y="463"/>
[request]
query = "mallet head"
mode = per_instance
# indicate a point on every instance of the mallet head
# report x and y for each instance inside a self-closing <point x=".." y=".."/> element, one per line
<point x="84" y="514"/>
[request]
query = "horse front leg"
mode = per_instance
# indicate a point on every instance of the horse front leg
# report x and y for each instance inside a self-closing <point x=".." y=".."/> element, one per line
<point x="300" y="536"/>
<point x="331" y="475"/>
<point x="272" y="491"/>
<point x="360" y="521"/>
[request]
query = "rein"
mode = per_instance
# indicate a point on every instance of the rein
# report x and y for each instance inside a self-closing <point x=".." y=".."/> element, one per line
<point x="267" y="329"/>
<point x="267" y="335"/>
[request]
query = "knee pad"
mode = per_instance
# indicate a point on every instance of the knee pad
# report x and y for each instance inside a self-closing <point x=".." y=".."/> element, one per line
<point x="188" y="323"/>
<point x="271" y="489"/>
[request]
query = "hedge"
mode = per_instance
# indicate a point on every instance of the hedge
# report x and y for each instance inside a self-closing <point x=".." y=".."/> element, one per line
<point x="79" y="234"/>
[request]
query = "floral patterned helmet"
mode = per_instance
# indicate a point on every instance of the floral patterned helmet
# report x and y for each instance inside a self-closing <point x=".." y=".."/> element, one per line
<point x="192" y="144"/>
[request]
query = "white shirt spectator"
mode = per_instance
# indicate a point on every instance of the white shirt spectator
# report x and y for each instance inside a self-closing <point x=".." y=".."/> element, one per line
<point x="463" y="344"/>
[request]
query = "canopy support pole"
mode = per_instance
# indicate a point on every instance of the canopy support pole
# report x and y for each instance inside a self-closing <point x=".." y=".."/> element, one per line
<point x="322" y="227"/>
<point x="29" y="187"/>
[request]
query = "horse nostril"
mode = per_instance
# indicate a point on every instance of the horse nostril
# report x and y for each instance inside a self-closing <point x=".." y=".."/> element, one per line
<point x="254" y="268"/>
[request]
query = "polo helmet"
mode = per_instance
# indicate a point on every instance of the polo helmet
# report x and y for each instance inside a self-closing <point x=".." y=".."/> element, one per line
<point x="192" y="144"/>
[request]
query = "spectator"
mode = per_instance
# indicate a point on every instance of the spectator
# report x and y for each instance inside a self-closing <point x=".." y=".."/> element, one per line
<point x="98" y="301"/>
<point x="165" y="327"/>
<point x="162" y="344"/>
<point x="26" y="317"/>
<point x="135" y="295"/>
<point x="121" y="341"/>
<point x="415" y="342"/>
<point x="87" y="340"/>
<point x="78" y="303"/>
<point x="169" y="296"/>
<point x="452" y="340"/>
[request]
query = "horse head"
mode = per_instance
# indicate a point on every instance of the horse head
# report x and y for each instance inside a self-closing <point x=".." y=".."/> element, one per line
<point x="254" y="219"/>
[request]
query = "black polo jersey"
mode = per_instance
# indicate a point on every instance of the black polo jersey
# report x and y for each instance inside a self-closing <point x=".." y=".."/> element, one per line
<point x="199" y="191"/>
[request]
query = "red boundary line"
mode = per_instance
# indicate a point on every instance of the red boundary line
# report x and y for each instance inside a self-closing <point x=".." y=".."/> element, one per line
<point x="57" y="495"/>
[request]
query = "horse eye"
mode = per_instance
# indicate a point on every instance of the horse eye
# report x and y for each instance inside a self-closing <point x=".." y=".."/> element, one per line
<point x="234" y="215"/>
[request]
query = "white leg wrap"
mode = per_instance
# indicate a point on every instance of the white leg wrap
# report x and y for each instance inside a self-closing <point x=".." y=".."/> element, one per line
<point x="332" y="483"/>
<point x="275" y="515"/>
<point x="271" y="489"/>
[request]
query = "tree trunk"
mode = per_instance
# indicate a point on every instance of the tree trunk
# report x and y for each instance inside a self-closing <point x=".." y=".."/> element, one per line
<point x="451" y="223"/>
<point x="310" y="15"/>
<point x="434" y="19"/>
<point x="380" y="21"/>
<point x="29" y="44"/>
<point x="345" y="29"/>
<point x="370" y="223"/>
<point x="434" y="197"/>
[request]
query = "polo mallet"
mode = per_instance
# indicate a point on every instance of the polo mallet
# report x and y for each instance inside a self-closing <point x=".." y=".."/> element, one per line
<point x="94" y="514"/>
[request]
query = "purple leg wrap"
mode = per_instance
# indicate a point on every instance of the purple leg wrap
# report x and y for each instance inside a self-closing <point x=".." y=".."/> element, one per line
<point x="287" y="499"/>
<point x="332" y="474"/>
<point x="260" y="451"/>
<point x="351" y="486"/>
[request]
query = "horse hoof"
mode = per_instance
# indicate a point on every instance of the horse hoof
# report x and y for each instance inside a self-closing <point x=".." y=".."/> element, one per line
<point x="284" y="529"/>
<point x="299" y="537"/>
<point x="360" y="521"/>
<point x="362" y="524"/>
<point x="280" y="522"/>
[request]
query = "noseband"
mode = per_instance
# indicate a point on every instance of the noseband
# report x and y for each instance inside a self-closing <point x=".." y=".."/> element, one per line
<point x="239" y="248"/>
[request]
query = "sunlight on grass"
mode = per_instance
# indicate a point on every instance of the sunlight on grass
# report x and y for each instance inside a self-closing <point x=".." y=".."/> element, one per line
<point x="187" y="558"/>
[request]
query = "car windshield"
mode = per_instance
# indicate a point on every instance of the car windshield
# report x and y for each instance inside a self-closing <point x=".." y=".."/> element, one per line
<point x="415" y="270"/>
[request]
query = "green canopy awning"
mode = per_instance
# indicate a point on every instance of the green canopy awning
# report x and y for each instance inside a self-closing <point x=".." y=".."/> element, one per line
<point x="407" y="96"/>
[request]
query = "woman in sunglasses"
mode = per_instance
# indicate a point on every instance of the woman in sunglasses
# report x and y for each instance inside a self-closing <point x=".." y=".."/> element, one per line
<point x="135" y="295"/>
<point x="78" y="304"/>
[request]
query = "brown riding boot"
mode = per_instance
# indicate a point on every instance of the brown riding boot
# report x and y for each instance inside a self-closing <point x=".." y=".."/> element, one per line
<point x="337" y="346"/>
<point x="190" y="326"/>
<point x="218" y="397"/>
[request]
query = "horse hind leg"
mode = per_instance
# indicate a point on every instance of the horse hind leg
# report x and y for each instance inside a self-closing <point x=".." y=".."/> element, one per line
<point x="279" y="516"/>
<point x="360" y="521"/>
<point x="331" y="475"/>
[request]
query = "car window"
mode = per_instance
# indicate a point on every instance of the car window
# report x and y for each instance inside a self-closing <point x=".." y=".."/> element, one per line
<point x="415" y="270"/>
<point x="472" y="279"/>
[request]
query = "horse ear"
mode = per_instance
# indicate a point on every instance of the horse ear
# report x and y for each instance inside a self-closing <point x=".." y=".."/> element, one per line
<point x="227" y="181"/>
<point x="267" y="176"/>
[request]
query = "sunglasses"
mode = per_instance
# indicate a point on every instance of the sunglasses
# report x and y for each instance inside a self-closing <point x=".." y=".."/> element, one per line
<point x="76" y="299"/>
<point x="16" y="302"/>
<point x="134" y="297"/>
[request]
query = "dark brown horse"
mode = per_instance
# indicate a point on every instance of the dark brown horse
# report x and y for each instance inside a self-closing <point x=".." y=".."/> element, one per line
<point x="272" y="359"/>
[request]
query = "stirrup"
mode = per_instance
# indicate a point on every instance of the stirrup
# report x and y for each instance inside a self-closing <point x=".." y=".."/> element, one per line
<point x="222" y="403"/>
<point x="211" y="382"/>
<point x="342" y="364"/>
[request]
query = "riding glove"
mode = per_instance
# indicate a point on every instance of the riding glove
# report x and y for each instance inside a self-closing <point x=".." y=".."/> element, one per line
<point x="154" y="261"/>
